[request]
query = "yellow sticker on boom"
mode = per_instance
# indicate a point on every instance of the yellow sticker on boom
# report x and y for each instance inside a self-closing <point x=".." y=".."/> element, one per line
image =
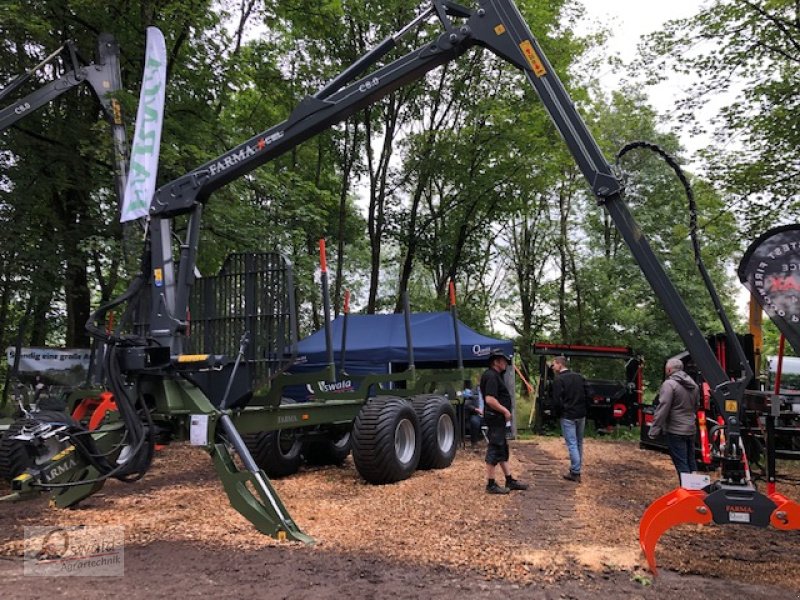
<point x="500" y="29"/>
<point x="63" y="453"/>
<point x="191" y="358"/>
<point x="731" y="406"/>
<point x="533" y="59"/>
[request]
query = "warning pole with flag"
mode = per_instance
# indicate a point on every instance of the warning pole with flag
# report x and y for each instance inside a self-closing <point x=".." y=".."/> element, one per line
<point x="141" y="182"/>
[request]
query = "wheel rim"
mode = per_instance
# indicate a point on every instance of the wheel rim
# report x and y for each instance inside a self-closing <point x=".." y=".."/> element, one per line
<point x="445" y="433"/>
<point x="342" y="442"/>
<point x="405" y="441"/>
<point x="286" y="442"/>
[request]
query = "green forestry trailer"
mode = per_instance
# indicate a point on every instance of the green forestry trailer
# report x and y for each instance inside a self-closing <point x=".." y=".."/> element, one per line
<point x="157" y="386"/>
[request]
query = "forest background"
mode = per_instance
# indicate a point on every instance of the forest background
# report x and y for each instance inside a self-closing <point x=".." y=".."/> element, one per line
<point x="459" y="176"/>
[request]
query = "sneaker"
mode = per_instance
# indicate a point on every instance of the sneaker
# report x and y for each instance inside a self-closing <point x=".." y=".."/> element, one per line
<point x="513" y="484"/>
<point x="576" y="477"/>
<point x="493" y="488"/>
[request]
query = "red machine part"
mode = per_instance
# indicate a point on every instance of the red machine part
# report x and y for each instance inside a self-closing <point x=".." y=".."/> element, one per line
<point x="691" y="506"/>
<point x="676" y="507"/>
<point x="97" y="407"/>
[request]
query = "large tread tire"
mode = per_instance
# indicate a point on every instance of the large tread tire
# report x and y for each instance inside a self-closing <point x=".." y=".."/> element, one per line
<point x="386" y="440"/>
<point x="437" y="425"/>
<point x="15" y="455"/>
<point x="332" y="450"/>
<point x="278" y="453"/>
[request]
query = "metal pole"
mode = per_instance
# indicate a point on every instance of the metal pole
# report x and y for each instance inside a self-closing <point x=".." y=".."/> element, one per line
<point x="407" y="320"/>
<point x="775" y="409"/>
<point x="346" y="311"/>
<point x="454" y="314"/>
<point x="326" y="301"/>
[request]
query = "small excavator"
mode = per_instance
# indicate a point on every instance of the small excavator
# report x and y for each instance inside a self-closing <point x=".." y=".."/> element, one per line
<point x="152" y="379"/>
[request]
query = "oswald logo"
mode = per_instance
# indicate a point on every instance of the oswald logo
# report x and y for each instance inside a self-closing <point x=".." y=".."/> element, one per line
<point x="478" y="351"/>
<point x="22" y="108"/>
<point x="336" y="386"/>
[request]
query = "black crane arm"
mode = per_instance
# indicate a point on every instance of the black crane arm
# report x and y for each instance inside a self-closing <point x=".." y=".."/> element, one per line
<point x="496" y="25"/>
<point x="103" y="78"/>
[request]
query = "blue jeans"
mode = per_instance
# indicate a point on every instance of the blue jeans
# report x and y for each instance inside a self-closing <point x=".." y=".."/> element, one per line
<point x="573" y="436"/>
<point x="681" y="450"/>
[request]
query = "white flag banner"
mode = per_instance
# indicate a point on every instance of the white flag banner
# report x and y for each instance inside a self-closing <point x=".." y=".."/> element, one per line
<point x="141" y="183"/>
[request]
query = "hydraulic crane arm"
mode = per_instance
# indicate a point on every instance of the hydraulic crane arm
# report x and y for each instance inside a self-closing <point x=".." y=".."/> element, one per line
<point x="496" y="25"/>
<point x="103" y="78"/>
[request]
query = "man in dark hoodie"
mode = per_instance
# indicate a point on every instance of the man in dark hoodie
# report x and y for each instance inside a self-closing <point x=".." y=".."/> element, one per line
<point x="677" y="404"/>
<point x="569" y="403"/>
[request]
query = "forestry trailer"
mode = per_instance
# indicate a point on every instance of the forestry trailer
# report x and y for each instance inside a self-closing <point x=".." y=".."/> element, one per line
<point x="161" y="392"/>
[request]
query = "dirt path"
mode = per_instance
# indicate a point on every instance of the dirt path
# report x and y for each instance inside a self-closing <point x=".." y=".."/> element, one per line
<point x="436" y="535"/>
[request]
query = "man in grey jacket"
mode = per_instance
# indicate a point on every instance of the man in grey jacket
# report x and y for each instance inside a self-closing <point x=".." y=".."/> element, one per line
<point x="677" y="404"/>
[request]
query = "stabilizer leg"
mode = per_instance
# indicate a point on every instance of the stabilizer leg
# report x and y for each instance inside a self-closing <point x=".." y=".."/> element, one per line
<point x="263" y="509"/>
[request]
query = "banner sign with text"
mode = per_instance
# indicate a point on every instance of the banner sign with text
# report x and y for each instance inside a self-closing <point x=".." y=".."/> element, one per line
<point x="51" y="365"/>
<point x="141" y="183"/>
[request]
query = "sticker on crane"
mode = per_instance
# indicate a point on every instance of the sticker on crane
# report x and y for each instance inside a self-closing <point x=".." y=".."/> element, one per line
<point x="738" y="517"/>
<point x="731" y="406"/>
<point x="158" y="277"/>
<point x="533" y="59"/>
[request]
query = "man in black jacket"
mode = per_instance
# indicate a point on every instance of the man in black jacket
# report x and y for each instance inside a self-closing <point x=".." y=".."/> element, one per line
<point x="496" y="414"/>
<point x="569" y="402"/>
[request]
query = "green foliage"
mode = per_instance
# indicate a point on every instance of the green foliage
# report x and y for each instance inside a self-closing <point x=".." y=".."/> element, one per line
<point x="460" y="176"/>
<point x="745" y="53"/>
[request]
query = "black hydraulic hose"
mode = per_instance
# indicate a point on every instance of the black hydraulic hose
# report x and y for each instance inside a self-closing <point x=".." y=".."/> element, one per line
<point x="698" y="259"/>
<point x="131" y="292"/>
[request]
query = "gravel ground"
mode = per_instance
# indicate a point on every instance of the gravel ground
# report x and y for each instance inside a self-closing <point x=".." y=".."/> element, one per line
<point x="435" y="535"/>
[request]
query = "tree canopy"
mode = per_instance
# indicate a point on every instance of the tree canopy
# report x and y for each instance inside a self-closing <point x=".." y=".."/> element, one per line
<point x="459" y="176"/>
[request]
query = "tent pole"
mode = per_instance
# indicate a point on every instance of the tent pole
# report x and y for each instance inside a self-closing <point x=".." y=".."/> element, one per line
<point x="407" y="320"/>
<point x="346" y="311"/>
<point x="454" y="314"/>
<point x="326" y="302"/>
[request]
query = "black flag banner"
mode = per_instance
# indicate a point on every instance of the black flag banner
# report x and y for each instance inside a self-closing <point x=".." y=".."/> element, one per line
<point x="770" y="269"/>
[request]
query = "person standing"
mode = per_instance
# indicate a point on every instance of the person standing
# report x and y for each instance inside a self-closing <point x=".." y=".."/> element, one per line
<point x="569" y="403"/>
<point x="675" y="414"/>
<point x="496" y="414"/>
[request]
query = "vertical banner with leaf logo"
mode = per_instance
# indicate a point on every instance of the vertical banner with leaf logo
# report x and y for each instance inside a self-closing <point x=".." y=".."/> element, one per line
<point x="770" y="269"/>
<point x="147" y="138"/>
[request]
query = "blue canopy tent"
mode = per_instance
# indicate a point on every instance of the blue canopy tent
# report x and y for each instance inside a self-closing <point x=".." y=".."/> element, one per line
<point x="377" y="344"/>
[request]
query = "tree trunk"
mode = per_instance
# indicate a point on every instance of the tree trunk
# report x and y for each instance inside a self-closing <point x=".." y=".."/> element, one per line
<point x="350" y="155"/>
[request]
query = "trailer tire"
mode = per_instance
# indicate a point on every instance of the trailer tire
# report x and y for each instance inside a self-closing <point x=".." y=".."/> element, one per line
<point x="331" y="451"/>
<point x="15" y="455"/>
<point x="385" y="439"/>
<point x="437" y="425"/>
<point x="277" y="452"/>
